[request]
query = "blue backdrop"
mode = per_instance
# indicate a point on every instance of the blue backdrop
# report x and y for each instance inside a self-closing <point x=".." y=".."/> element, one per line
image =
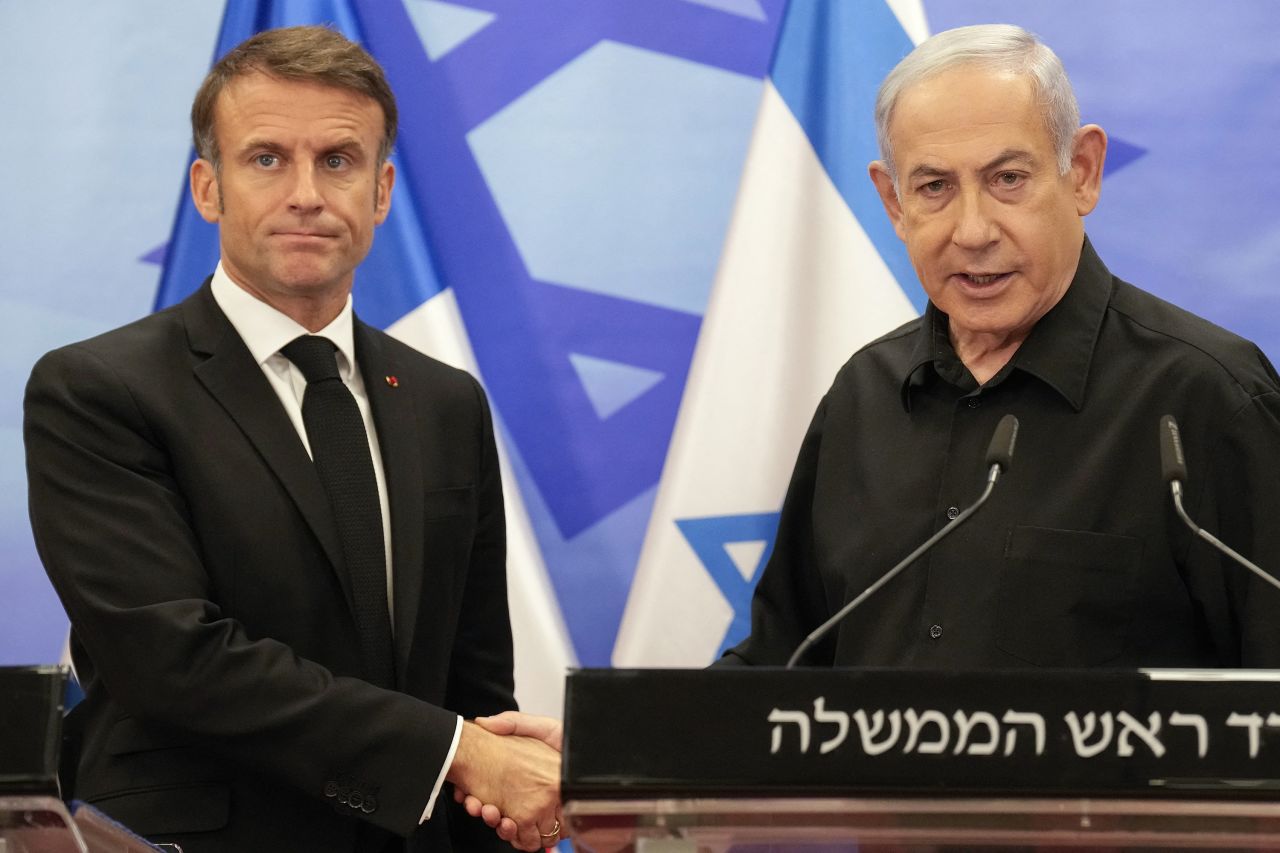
<point x="577" y="162"/>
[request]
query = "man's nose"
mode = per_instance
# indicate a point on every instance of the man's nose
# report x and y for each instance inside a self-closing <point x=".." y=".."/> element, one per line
<point x="975" y="226"/>
<point x="304" y="192"/>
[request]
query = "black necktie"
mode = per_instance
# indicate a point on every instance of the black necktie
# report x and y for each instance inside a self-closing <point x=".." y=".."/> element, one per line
<point x="340" y="449"/>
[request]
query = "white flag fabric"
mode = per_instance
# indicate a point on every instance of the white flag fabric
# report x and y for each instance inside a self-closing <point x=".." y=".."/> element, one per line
<point x="810" y="272"/>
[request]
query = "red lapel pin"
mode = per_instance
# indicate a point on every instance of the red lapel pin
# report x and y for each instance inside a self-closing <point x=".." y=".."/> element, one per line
<point x="393" y="382"/>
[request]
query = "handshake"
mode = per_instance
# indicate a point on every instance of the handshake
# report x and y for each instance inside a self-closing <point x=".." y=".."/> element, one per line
<point x="506" y="772"/>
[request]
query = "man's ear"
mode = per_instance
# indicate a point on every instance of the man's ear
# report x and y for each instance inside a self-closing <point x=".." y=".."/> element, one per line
<point x="1088" y="156"/>
<point x="204" y="190"/>
<point x="879" y="173"/>
<point x="382" y="198"/>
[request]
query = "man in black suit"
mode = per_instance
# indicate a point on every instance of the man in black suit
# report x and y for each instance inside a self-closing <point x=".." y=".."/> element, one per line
<point x="279" y="653"/>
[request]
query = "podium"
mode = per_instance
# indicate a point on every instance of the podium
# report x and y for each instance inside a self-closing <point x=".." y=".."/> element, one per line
<point x="33" y="819"/>
<point x="761" y="760"/>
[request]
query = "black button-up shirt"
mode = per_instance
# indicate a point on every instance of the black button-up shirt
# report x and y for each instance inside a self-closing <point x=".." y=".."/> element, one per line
<point x="1078" y="559"/>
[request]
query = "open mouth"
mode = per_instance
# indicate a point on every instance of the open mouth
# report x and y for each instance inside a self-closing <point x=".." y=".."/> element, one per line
<point x="982" y="280"/>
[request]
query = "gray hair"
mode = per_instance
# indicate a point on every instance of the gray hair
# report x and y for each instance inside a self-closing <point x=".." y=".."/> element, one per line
<point x="996" y="47"/>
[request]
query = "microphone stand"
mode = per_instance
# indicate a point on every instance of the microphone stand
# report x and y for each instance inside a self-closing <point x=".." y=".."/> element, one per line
<point x="821" y="631"/>
<point x="1175" y="486"/>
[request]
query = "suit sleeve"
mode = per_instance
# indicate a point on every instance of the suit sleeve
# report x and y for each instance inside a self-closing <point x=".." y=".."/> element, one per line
<point x="115" y="535"/>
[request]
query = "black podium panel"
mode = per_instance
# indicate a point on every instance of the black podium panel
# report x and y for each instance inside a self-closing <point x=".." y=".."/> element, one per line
<point x="761" y="732"/>
<point x="30" y="728"/>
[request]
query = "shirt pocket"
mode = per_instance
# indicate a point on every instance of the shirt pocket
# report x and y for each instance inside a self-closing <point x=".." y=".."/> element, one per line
<point x="1067" y="597"/>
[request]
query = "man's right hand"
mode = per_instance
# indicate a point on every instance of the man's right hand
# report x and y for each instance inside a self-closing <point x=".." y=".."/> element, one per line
<point x="519" y="775"/>
<point x="546" y="729"/>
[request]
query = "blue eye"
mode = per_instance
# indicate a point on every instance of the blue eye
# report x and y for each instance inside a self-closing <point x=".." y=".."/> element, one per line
<point x="334" y="161"/>
<point x="266" y="159"/>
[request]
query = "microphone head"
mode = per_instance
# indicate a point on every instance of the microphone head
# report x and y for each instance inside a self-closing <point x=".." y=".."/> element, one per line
<point x="1000" y="452"/>
<point x="1173" y="465"/>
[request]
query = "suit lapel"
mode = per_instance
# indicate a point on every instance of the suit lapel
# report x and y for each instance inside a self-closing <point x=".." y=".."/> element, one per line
<point x="231" y="375"/>
<point x="396" y="422"/>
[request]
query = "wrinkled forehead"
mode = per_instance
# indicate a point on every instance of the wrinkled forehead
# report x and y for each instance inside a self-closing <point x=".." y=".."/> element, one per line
<point x="967" y="104"/>
<point x="260" y="100"/>
<point x="255" y="84"/>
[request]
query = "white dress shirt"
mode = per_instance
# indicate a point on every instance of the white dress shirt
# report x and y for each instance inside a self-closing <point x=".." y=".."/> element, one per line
<point x="264" y="331"/>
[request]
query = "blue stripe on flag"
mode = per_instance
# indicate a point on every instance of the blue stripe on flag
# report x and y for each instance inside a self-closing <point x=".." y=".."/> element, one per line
<point x="708" y="538"/>
<point x="830" y="59"/>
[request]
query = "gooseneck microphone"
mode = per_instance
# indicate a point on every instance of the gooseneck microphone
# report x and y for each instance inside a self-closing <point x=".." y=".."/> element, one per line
<point x="999" y="455"/>
<point x="1173" y="465"/>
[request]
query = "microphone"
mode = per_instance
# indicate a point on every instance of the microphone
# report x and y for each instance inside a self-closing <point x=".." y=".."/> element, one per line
<point x="1173" y="466"/>
<point x="999" y="455"/>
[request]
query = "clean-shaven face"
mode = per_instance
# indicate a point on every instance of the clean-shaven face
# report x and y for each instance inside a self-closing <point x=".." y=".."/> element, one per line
<point x="299" y="190"/>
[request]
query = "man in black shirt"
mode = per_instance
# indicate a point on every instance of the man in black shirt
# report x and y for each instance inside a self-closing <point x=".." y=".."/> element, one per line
<point x="1078" y="559"/>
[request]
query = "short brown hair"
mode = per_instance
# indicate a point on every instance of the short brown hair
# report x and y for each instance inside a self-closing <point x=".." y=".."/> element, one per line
<point x="306" y="54"/>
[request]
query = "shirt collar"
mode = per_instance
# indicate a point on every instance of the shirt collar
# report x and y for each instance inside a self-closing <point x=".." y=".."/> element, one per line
<point x="932" y="347"/>
<point x="1059" y="350"/>
<point x="265" y="330"/>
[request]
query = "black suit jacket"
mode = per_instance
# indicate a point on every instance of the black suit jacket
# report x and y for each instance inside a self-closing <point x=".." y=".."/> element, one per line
<point x="191" y="542"/>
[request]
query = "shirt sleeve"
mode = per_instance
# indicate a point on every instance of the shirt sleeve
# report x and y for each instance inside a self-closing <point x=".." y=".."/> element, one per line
<point x="444" y="771"/>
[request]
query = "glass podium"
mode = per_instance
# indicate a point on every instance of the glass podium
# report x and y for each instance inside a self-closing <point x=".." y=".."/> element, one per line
<point x="919" y="825"/>
<point x="759" y="760"/>
<point x="38" y="824"/>
<point x="33" y="817"/>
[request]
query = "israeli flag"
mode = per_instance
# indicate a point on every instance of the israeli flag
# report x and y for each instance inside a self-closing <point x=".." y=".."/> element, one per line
<point x="811" y="270"/>
<point x="397" y="289"/>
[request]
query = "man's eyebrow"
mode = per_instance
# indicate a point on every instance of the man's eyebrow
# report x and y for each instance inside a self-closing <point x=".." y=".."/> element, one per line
<point x="1009" y="156"/>
<point x="351" y="147"/>
<point x="926" y="171"/>
<point x="261" y="145"/>
<point x="1004" y="158"/>
<point x="348" y="143"/>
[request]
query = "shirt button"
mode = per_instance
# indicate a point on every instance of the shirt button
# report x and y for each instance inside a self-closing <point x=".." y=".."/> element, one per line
<point x="952" y="512"/>
<point x="974" y="402"/>
<point x="935" y="631"/>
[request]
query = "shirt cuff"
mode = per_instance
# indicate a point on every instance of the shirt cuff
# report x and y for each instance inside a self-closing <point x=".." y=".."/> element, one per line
<point x="444" y="770"/>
